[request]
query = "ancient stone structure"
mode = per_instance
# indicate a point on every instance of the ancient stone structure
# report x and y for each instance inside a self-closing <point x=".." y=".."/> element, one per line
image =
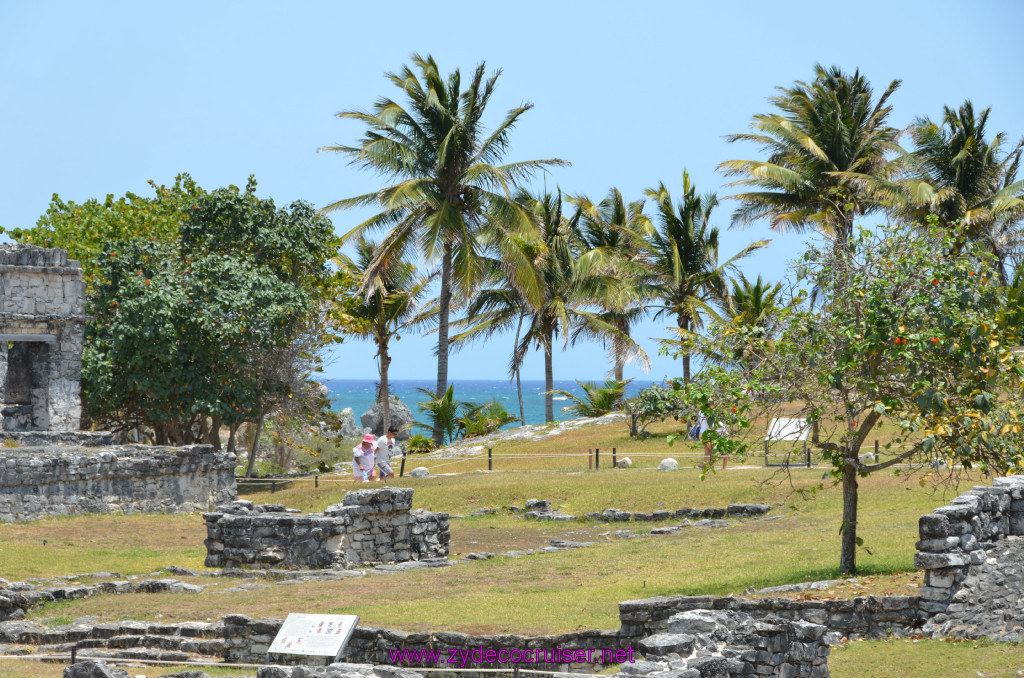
<point x="368" y="527"/>
<point x="972" y="552"/>
<point x="38" y="482"/>
<point x="42" y="321"/>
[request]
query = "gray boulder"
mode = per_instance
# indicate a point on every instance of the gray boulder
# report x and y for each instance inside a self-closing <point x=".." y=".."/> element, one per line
<point x="93" y="669"/>
<point x="401" y="417"/>
<point x="668" y="465"/>
<point x="420" y="472"/>
<point x="349" y="428"/>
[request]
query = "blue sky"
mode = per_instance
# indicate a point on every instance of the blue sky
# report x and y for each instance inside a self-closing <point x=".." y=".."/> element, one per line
<point x="99" y="98"/>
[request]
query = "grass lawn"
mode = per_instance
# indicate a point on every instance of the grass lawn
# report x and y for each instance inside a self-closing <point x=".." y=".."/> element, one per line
<point x="545" y="593"/>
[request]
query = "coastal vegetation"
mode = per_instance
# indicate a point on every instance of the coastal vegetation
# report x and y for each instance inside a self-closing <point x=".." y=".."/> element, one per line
<point x="213" y="307"/>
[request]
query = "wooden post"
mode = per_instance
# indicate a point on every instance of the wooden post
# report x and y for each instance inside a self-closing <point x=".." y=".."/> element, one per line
<point x="590" y="459"/>
<point x="614" y="460"/>
<point x="273" y="486"/>
<point x="766" y="453"/>
<point x="401" y="468"/>
<point x="597" y="458"/>
<point x="490" y="466"/>
<point x="807" y="454"/>
<point x="316" y="480"/>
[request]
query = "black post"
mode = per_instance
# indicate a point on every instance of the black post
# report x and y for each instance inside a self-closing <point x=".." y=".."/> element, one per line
<point x="316" y="480"/>
<point x="273" y="486"/>
<point x="401" y="469"/>
<point x="74" y="652"/>
<point x="597" y="457"/>
<point x="614" y="461"/>
<point x="489" y="464"/>
<point x="807" y="454"/>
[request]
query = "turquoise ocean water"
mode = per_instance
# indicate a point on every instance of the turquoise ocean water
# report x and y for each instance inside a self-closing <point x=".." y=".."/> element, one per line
<point x="359" y="394"/>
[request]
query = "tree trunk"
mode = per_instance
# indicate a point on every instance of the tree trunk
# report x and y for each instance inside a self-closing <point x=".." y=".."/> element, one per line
<point x="683" y="321"/>
<point x="519" y="383"/>
<point x="232" y="437"/>
<point x="444" y="307"/>
<point x="160" y="429"/>
<point x="549" y="379"/>
<point x="255" y="447"/>
<point x="848" y="553"/>
<point x="617" y="370"/>
<point x="385" y="392"/>
<point x="213" y="436"/>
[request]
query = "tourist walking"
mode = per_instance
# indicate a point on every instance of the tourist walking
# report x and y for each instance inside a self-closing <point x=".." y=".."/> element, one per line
<point x="363" y="459"/>
<point x="385" y="448"/>
<point x="722" y="430"/>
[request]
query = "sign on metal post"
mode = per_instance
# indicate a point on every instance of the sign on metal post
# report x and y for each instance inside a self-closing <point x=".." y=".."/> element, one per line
<point x="319" y="635"/>
<point x="784" y="428"/>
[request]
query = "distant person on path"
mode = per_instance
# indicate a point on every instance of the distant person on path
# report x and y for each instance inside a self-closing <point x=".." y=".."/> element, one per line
<point x="362" y="459"/>
<point x="722" y="430"/>
<point x="385" y="448"/>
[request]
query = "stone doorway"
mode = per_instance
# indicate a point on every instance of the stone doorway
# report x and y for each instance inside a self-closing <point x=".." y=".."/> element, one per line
<point x="24" y="397"/>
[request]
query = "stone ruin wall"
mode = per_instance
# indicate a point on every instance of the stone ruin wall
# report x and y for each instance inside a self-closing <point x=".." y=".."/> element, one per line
<point x="368" y="527"/>
<point x="56" y="481"/>
<point x="42" y="326"/>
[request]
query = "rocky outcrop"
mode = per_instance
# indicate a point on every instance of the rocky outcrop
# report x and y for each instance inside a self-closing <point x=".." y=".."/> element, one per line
<point x="401" y="417"/>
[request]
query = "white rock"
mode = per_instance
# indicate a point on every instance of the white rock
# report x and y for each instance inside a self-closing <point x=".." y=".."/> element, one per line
<point x="420" y="472"/>
<point x="668" y="465"/>
<point x="625" y="462"/>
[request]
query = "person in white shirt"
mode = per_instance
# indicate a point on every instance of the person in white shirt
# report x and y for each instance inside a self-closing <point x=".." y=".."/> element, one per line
<point x="363" y="459"/>
<point x="385" y="448"/>
<point x="722" y="430"/>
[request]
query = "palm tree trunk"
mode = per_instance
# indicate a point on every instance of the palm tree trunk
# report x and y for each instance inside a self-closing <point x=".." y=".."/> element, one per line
<point x="444" y="308"/>
<point x="683" y="321"/>
<point x="549" y="379"/>
<point x="385" y="393"/>
<point x="519" y="383"/>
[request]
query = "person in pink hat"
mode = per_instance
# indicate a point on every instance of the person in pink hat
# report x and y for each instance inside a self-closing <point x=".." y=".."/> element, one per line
<point x="363" y="459"/>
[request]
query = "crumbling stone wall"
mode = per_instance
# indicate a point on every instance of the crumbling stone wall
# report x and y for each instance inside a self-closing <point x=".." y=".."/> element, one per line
<point x="368" y="527"/>
<point x="42" y="323"/>
<point x="862" y="617"/>
<point x="971" y="551"/>
<point x="39" y="482"/>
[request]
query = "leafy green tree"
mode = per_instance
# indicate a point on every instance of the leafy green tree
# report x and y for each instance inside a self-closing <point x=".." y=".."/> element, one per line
<point x="449" y="180"/>
<point x="443" y="412"/>
<point x="655" y="403"/>
<point x="84" y="230"/>
<point x="479" y="420"/>
<point x="907" y="336"/>
<point x="682" y="258"/>
<point x="224" y="322"/>
<point x="392" y="307"/>
<point x="821" y="131"/>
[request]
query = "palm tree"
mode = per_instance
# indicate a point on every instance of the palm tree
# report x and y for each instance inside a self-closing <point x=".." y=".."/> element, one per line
<point x="448" y="185"/>
<point x="754" y="305"/>
<point x="551" y="259"/>
<point x="620" y="284"/>
<point x="822" y="131"/>
<point x="596" y="400"/>
<point x="959" y="176"/>
<point x="391" y="307"/>
<point x="682" y="257"/>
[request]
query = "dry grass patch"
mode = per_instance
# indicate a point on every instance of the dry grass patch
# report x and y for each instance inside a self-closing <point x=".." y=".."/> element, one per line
<point x="34" y="668"/>
<point x="904" y="657"/>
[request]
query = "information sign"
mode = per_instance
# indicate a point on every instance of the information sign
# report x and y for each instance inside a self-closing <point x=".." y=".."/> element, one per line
<point x="783" y="428"/>
<point x="321" y="635"/>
